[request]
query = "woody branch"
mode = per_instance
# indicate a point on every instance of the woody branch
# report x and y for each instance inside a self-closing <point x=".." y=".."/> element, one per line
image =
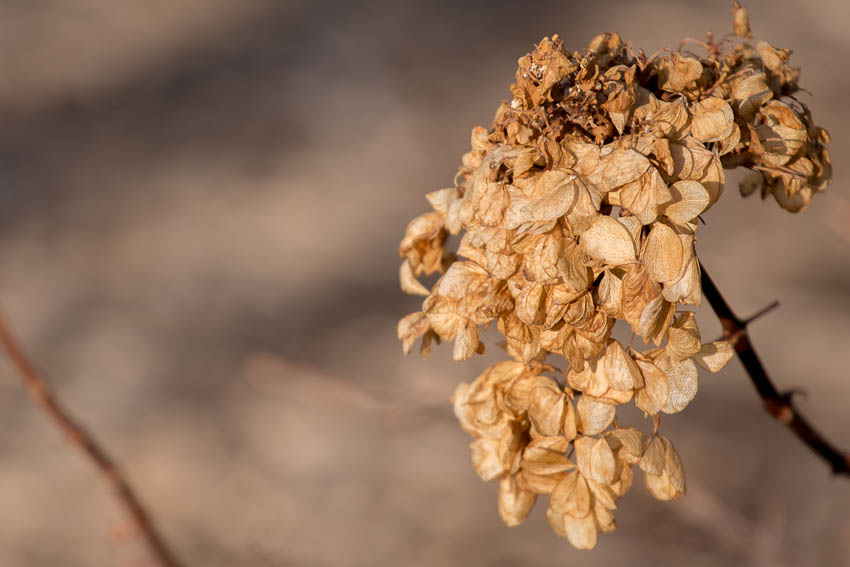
<point x="79" y="437"/>
<point x="778" y="404"/>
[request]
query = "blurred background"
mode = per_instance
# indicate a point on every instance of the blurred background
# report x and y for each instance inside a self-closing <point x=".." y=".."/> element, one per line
<point x="200" y="206"/>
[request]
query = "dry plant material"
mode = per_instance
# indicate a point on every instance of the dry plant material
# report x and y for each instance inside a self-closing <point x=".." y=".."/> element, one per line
<point x="579" y="207"/>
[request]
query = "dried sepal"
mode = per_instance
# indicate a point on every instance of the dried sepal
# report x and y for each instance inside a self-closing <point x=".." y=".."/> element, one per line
<point x="594" y="415"/>
<point x="515" y="503"/>
<point x="663" y="253"/>
<point x="669" y="482"/>
<point x="608" y="241"/>
<point x="714" y="356"/>
<point x="690" y="199"/>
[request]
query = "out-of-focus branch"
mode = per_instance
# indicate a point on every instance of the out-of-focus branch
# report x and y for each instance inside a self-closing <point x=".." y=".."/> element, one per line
<point x="778" y="404"/>
<point x="90" y="448"/>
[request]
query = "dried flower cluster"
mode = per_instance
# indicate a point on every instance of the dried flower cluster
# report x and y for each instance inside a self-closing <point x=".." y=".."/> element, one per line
<point x="577" y="208"/>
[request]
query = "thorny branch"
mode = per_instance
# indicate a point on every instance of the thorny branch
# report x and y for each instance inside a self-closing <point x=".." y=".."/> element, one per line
<point x="94" y="452"/>
<point x="778" y="404"/>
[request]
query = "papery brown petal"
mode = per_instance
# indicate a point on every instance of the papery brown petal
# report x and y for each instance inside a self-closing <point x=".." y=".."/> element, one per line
<point x="660" y="486"/>
<point x="539" y="484"/>
<point x="485" y="458"/>
<point x="682" y="381"/>
<point x="687" y="289"/>
<point x="608" y="241"/>
<point x="619" y="167"/>
<point x="652" y="460"/>
<point x="653" y="396"/>
<point x="630" y="443"/>
<point x="603" y="495"/>
<point x="673" y="467"/>
<point x="544" y="461"/>
<point x="442" y="199"/>
<point x="676" y="73"/>
<point x="620" y="368"/>
<point x="602" y="463"/>
<point x="557" y="193"/>
<point x="518" y="394"/>
<point x="742" y="20"/>
<point x="663" y="253"/>
<point x="610" y="294"/>
<point x="514" y="502"/>
<point x="581" y="532"/>
<point x="409" y="284"/>
<point x="749" y="93"/>
<point x="714" y="356"/>
<point x="466" y="341"/>
<point x="546" y="410"/>
<point x="690" y="198"/>
<point x="604" y="519"/>
<point x="410" y="328"/>
<point x="556" y="518"/>
<point x="594" y="416"/>
<point x="570" y="426"/>
<point x="571" y="496"/>
<point x="712" y="120"/>
<point x="683" y="339"/>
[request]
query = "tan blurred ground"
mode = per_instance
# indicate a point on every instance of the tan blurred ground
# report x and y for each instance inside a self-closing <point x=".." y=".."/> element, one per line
<point x="200" y="203"/>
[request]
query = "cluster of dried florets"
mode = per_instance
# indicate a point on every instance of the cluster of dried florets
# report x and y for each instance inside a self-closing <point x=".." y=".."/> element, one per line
<point x="579" y="207"/>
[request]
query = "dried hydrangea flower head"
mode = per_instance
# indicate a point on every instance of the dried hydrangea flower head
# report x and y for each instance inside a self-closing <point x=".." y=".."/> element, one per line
<point x="579" y="207"/>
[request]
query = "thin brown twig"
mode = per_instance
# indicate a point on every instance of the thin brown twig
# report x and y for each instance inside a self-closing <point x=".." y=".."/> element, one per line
<point x="778" y="404"/>
<point x="91" y="449"/>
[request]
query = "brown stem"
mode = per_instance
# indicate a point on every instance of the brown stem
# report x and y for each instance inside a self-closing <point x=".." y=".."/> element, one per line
<point x="84" y="441"/>
<point x="778" y="404"/>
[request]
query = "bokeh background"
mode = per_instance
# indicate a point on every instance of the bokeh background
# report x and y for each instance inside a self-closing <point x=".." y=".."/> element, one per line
<point x="200" y="205"/>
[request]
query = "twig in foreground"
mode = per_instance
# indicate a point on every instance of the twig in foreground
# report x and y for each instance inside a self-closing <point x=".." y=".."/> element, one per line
<point x="778" y="404"/>
<point x="84" y="441"/>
